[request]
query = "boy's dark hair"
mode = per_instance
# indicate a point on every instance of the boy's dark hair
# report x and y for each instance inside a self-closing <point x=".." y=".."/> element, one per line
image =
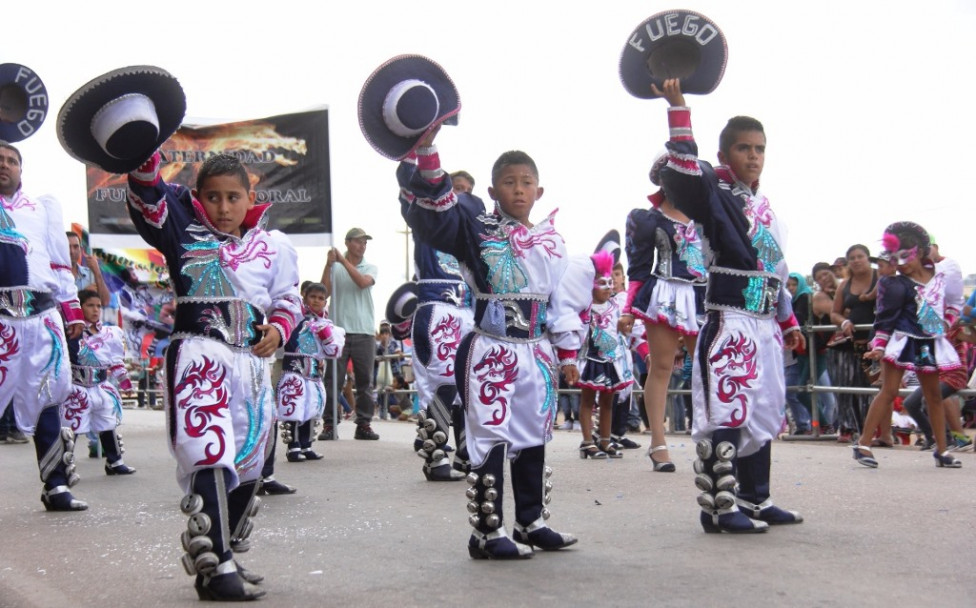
<point x="736" y="125"/>
<point x="304" y="286"/>
<point x="512" y="157"/>
<point x="464" y="175"/>
<point x="618" y="266"/>
<point x="70" y="233"/>
<point x="310" y="287"/>
<point x="20" y="158"/>
<point x="222" y="164"/>
<point x="87" y="294"/>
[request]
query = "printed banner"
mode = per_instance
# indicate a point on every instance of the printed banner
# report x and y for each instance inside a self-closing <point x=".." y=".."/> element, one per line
<point x="287" y="157"/>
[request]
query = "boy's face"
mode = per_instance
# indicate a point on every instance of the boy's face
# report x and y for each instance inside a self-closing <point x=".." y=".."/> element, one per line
<point x="315" y="300"/>
<point x="618" y="280"/>
<point x="516" y="191"/>
<point x="461" y="184"/>
<point x="92" y="310"/>
<point x="226" y="201"/>
<point x="746" y="155"/>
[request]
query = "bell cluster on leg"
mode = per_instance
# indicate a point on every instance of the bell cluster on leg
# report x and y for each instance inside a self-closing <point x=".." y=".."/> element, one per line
<point x="61" y="453"/>
<point x="715" y="477"/>
<point x="199" y="557"/>
<point x="239" y="542"/>
<point x="482" y="514"/>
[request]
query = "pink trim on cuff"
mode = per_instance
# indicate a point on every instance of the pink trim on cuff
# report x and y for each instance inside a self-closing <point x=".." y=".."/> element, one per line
<point x="632" y="290"/>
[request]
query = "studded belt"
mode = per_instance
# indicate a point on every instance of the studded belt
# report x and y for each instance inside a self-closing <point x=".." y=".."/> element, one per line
<point x="307" y="367"/>
<point x="516" y="317"/>
<point x="21" y="303"/>
<point x="232" y="322"/>
<point x="88" y="376"/>
<point x="752" y="292"/>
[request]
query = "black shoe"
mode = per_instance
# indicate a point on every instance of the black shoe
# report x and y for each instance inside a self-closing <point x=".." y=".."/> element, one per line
<point x="251" y="577"/>
<point x="273" y="487"/>
<point x="443" y="472"/>
<point x="310" y="455"/>
<point x="626" y="443"/>
<point x="118" y="468"/>
<point x="295" y="456"/>
<point x="327" y="434"/>
<point x="60" y="499"/>
<point x="15" y="436"/>
<point x="364" y="431"/>
<point x="226" y="588"/>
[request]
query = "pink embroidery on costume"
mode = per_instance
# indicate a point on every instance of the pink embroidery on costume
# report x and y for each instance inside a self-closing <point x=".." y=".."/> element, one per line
<point x="155" y="215"/>
<point x="734" y="366"/>
<point x="9" y="346"/>
<point x="75" y="407"/>
<point x="208" y="399"/>
<point x="760" y="211"/>
<point x="497" y="370"/>
<point x="521" y="240"/>
<point x="447" y="335"/>
<point x="233" y="256"/>
<point x="19" y="202"/>
<point x="289" y="392"/>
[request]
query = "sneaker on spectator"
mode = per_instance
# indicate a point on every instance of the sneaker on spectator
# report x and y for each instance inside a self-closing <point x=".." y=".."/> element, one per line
<point x="960" y="443"/>
<point x="566" y="426"/>
<point x="327" y="434"/>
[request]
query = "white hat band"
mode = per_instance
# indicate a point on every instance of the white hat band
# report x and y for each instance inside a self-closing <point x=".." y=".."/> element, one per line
<point x="392" y="118"/>
<point x="132" y="107"/>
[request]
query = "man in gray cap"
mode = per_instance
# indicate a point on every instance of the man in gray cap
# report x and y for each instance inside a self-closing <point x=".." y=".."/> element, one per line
<point x="349" y="280"/>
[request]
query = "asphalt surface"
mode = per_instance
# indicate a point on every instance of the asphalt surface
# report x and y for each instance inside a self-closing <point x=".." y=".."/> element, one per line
<point x="365" y="529"/>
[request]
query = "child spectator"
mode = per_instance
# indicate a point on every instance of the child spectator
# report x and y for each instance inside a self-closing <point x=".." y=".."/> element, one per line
<point x="601" y="374"/>
<point x="97" y="373"/>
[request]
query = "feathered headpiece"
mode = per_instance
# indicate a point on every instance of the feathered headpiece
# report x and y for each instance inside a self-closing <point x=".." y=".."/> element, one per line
<point x="896" y="235"/>
<point x="603" y="264"/>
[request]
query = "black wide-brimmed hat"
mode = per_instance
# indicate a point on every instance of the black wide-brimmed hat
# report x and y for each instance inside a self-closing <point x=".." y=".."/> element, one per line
<point x="23" y="102"/>
<point x="400" y="309"/>
<point x="119" y="119"/>
<point x="402" y="101"/>
<point x="610" y="243"/>
<point x="674" y="44"/>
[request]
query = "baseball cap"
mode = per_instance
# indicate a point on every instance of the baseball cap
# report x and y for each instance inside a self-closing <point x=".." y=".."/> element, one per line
<point x="357" y="233"/>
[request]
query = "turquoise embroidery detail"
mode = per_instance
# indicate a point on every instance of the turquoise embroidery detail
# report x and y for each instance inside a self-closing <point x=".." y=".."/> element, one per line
<point x="448" y="263"/>
<point x="504" y="272"/>
<point x="202" y="265"/>
<point x="767" y="249"/>
<point x="255" y="421"/>
<point x="307" y="344"/>
<point x="929" y="320"/>
<point x="755" y="294"/>
<point x="544" y="363"/>
<point x="604" y="343"/>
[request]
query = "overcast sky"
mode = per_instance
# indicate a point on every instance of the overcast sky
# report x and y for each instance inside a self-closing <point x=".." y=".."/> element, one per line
<point x="868" y="105"/>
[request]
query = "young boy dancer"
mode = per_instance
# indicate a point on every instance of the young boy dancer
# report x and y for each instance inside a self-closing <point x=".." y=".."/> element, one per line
<point x="301" y="394"/>
<point x="527" y="299"/>
<point x="97" y="368"/>
<point x="738" y="382"/>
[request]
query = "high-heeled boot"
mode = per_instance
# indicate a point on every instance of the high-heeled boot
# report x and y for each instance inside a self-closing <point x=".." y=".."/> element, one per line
<point x="715" y="470"/>
<point x="532" y="492"/>
<point x="489" y="539"/>
<point x="752" y="495"/>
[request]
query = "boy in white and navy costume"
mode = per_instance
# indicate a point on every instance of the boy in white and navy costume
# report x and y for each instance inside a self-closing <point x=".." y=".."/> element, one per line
<point x="738" y="381"/>
<point x="527" y="299"/>
<point x="97" y="373"/>
<point x="301" y="394"/>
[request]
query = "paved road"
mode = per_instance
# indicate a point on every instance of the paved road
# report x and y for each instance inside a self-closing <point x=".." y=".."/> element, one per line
<point x="365" y="529"/>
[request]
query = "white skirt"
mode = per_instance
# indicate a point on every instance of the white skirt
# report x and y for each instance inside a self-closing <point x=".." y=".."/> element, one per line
<point x="672" y="303"/>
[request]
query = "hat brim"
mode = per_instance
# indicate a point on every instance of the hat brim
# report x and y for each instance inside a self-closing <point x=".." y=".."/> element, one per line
<point x="674" y="44"/>
<point x="402" y="304"/>
<point x="378" y="85"/>
<point x="18" y="78"/>
<point x="610" y="242"/>
<point x="75" y="117"/>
